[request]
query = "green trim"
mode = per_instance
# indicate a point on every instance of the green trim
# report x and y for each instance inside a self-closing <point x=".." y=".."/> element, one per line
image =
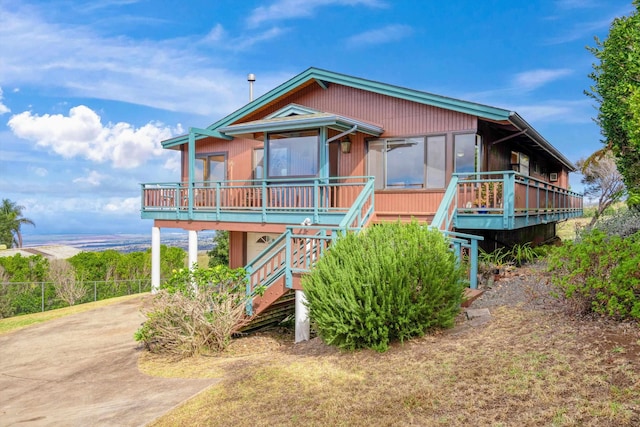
<point x="292" y="109"/>
<point x="304" y="121"/>
<point x="484" y="111"/>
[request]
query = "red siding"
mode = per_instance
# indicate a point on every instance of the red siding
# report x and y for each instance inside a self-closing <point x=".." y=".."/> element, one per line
<point x="236" y="249"/>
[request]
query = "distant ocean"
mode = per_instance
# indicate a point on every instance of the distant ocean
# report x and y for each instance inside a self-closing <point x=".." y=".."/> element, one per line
<point x="118" y="242"/>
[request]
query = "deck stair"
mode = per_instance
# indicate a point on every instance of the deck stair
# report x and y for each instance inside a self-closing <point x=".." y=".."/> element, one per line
<point x="280" y="266"/>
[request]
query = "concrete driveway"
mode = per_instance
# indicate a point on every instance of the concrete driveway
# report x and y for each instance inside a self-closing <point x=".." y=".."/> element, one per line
<point x="81" y="370"/>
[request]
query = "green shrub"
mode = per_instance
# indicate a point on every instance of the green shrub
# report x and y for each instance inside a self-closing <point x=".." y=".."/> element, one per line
<point x="622" y="224"/>
<point x="600" y="274"/>
<point x="522" y="254"/>
<point x="196" y="310"/>
<point x="391" y="282"/>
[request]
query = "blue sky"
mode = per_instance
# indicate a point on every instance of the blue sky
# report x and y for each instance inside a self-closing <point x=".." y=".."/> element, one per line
<point x="88" y="90"/>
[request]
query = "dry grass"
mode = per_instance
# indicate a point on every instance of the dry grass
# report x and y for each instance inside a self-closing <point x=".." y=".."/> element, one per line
<point x="524" y="368"/>
<point x="567" y="230"/>
<point x="11" y="324"/>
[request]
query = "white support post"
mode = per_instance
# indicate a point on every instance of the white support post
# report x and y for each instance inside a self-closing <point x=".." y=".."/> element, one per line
<point x="302" y="318"/>
<point x="193" y="248"/>
<point x="155" y="259"/>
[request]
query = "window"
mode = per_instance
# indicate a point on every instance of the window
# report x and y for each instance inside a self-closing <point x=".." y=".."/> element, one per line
<point x="210" y="167"/>
<point x="258" y="163"/>
<point x="467" y="153"/>
<point x="293" y="154"/>
<point x="436" y="161"/>
<point x="407" y="163"/>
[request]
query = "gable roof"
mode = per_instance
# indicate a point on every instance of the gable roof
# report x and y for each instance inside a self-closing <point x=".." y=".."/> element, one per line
<point x="324" y="78"/>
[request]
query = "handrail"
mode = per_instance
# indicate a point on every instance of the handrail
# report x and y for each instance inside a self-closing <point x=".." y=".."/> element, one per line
<point x="514" y="195"/>
<point x="355" y="212"/>
<point x="295" y="252"/>
<point x="443" y="219"/>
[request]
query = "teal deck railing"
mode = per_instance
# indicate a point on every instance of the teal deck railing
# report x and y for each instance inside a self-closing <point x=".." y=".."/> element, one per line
<point x="297" y="249"/>
<point x="325" y="201"/>
<point x="499" y="201"/>
<point x="465" y="246"/>
<point x="509" y="200"/>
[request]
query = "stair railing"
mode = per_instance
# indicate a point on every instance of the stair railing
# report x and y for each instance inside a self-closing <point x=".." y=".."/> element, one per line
<point x="295" y="252"/>
<point x="461" y="243"/>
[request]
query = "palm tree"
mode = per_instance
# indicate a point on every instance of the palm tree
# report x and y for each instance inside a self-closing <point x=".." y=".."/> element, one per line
<point x="11" y="220"/>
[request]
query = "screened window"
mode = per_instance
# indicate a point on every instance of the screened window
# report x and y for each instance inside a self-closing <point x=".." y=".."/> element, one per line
<point x="407" y="163"/>
<point x="293" y="154"/>
<point x="210" y="167"/>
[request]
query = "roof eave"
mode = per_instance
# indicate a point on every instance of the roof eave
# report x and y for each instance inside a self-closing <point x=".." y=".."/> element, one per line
<point x="520" y="123"/>
<point x="337" y="122"/>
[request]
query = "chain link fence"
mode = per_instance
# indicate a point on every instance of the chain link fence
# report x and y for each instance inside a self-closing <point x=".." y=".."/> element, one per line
<point x="18" y="298"/>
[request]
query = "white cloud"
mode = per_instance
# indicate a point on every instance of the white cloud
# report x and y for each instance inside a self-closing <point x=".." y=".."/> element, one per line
<point x="557" y="111"/>
<point x="173" y="163"/>
<point x="587" y="29"/>
<point x="216" y="34"/>
<point x="245" y="42"/>
<point x="81" y="134"/>
<point x="172" y="74"/>
<point x="123" y="205"/>
<point x="41" y="172"/>
<point x="533" y="79"/>
<point x="93" y="178"/>
<point x="3" y="108"/>
<point x="390" y="33"/>
<point x="44" y="205"/>
<point x="291" y="9"/>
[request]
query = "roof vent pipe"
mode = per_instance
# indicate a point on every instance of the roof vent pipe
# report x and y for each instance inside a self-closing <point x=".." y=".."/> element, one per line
<point x="251" y="78"/>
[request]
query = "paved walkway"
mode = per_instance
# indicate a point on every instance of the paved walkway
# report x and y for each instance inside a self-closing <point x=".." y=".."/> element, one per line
<point x="81" y="370"/>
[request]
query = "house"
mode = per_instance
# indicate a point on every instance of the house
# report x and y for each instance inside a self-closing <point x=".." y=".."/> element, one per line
<point x="325" y="152"/>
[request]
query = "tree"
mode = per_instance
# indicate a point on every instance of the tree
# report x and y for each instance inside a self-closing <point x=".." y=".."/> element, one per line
<point x="601" y="179"/>
<point x="68" y="288"/>
<point x="219" y="255"/>
<point x="616" y="89"/>
<point x="11" y="222"/>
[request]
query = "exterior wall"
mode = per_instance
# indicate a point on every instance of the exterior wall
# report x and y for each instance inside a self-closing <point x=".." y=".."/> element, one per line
<point x="398" y="118"/>
<point x="497" y="156"/>
<point x="237" y="249"/>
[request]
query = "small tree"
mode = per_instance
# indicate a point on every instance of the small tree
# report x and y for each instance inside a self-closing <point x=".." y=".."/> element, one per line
<point x="63" y="276"/>
<point x="602" y="180"/>
<point x="219" y="255"/>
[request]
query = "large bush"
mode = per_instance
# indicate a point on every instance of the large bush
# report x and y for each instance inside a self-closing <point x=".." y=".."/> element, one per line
<point x="391" y="282"/>
<point x="621" y="224"/>
<point x="196" y="310"/>
<point x="600" y="274"/>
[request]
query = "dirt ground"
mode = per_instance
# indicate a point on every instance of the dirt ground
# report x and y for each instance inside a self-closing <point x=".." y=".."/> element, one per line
<point x="81" y="370"/>
<point x="527" y="363"/>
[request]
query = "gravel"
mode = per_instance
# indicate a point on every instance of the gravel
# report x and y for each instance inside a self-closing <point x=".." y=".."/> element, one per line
<point x="528" y="287"/>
